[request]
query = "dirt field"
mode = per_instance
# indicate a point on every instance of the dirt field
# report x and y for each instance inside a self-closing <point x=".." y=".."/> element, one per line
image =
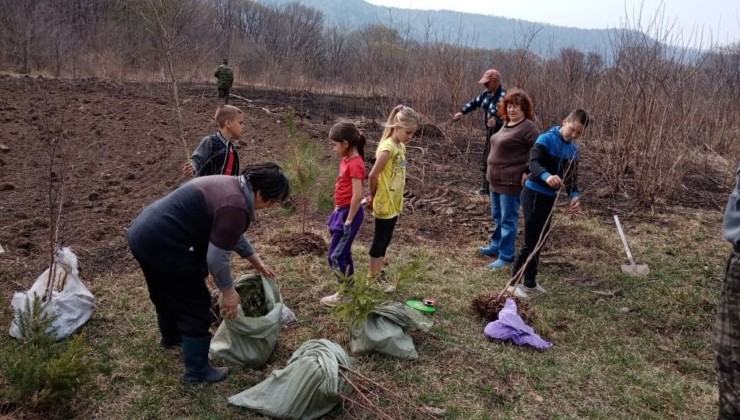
<point x="118" y="150"/>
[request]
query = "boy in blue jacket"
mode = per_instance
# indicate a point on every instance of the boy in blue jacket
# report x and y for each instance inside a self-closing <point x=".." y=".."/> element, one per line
<point x="553" y="165"/>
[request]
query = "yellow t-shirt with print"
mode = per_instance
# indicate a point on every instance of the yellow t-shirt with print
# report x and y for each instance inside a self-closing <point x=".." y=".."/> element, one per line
<point x="388" y="199"/>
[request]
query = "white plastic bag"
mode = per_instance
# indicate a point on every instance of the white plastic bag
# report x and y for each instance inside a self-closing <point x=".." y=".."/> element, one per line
<point x="71" y="302"/>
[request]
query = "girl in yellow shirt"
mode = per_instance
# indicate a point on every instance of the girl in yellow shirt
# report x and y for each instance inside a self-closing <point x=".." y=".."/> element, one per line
<point x="387" y="180"/>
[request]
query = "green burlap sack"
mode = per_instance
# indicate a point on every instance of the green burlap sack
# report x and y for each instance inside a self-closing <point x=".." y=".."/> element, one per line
<point x="386" y="331"/>
<point x="245" y="339"/>
<point x="307" y="388"/>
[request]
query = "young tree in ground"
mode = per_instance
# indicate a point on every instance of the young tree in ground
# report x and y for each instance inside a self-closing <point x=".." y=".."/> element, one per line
<point x="304" y="170"/>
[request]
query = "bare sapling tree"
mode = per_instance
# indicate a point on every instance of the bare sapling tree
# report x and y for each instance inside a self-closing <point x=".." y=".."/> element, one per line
<point x="525" y="60"/>
<point x="365" y="395"/>
<point x="55" y="202"/>
<point x="168" y="22"/>
<point x="548" y="227"/>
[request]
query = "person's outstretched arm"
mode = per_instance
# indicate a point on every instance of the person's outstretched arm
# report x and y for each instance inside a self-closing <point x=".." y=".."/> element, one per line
<point x="470" y="106"/>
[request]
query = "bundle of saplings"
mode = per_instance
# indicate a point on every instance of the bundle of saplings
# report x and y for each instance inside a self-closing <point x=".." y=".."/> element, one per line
<point x="252" y="295"/>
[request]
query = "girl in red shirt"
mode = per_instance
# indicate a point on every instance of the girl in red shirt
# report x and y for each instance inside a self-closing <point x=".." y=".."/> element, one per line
<point x="345" y="221"/>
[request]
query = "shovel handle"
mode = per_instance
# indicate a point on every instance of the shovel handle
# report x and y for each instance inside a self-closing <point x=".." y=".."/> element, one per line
<point x="624" y="240"/>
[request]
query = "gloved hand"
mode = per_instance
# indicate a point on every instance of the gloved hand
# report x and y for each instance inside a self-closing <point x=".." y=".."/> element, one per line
<point x="346" y="229"/>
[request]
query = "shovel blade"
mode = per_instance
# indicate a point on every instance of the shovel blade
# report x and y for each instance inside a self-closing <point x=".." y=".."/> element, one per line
<point x="636" y="269"/>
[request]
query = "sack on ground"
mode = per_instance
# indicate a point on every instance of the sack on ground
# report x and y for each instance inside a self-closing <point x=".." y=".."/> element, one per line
<point x="250" y="340"/>
<point x="71" y="304"/>
<point x="307" y="388"/>
<point x="386" y="331"/>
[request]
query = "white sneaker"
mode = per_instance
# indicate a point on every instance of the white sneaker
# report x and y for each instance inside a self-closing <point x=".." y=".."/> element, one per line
<point x="522" y="291"/>
<point x="539" y="289"/>
<point x="331" y="300"/>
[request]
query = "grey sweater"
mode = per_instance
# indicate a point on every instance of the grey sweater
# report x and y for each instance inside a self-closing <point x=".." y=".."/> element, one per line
<point x="731" y="228"/>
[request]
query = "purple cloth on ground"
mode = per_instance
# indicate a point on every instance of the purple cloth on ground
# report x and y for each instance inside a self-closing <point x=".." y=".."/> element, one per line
<point x="510" y="326"/>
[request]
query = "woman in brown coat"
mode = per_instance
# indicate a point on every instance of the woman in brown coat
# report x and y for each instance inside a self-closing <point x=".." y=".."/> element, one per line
<point x="507" y="164"/>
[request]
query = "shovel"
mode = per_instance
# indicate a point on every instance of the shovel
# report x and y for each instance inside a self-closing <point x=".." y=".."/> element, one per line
<point x="631" y="268"/>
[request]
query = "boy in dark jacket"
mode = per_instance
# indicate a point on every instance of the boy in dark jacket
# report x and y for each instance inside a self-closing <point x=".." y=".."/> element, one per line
<point x="215" y="155"/>
<point x="553" y="164"/>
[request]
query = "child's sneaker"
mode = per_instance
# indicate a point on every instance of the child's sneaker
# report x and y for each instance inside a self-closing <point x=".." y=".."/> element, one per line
<point x="331" y="300"/>
<point x="538" y="289"/>
<point x="383" y="282"/>
<point x="522" y="291"/>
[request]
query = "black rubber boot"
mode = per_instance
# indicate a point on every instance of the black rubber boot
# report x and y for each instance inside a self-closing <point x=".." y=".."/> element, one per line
<point x="197" y="368"/>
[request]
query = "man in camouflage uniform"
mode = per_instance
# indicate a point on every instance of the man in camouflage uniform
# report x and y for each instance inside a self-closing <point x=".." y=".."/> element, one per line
<point x="727" y="326"/>
<point x="225" y="77"/>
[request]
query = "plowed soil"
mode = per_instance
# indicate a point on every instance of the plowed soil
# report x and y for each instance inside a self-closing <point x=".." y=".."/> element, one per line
<point x="108" y="149"/>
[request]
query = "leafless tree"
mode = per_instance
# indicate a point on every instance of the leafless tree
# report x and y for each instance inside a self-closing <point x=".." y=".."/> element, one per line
<point x="169" y="23"/>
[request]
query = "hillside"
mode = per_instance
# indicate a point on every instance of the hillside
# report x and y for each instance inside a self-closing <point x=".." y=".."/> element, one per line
<point x="473" y="30"/>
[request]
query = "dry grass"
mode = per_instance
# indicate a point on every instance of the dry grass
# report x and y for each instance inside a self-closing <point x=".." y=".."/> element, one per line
<point x="651" y="360"/>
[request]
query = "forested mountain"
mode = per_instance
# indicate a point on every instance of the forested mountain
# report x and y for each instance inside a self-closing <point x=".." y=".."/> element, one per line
<point x="472" y="30"/>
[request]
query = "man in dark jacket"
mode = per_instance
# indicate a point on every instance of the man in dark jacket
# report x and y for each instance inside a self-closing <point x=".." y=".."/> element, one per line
<point x="489" y="100"/>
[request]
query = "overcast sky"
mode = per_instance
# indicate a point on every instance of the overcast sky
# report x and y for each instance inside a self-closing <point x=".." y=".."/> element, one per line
<point x="715" y="19"/>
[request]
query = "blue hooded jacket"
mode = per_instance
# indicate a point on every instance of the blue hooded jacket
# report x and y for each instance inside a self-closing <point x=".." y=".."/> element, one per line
<point x="553" y="155"/>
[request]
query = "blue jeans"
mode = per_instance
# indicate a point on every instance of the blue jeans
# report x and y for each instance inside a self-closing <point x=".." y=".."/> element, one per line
<point x="505" y="213"/>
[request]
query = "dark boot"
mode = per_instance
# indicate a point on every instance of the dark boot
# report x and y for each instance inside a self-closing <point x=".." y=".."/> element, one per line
<point x="197" y="368"/>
